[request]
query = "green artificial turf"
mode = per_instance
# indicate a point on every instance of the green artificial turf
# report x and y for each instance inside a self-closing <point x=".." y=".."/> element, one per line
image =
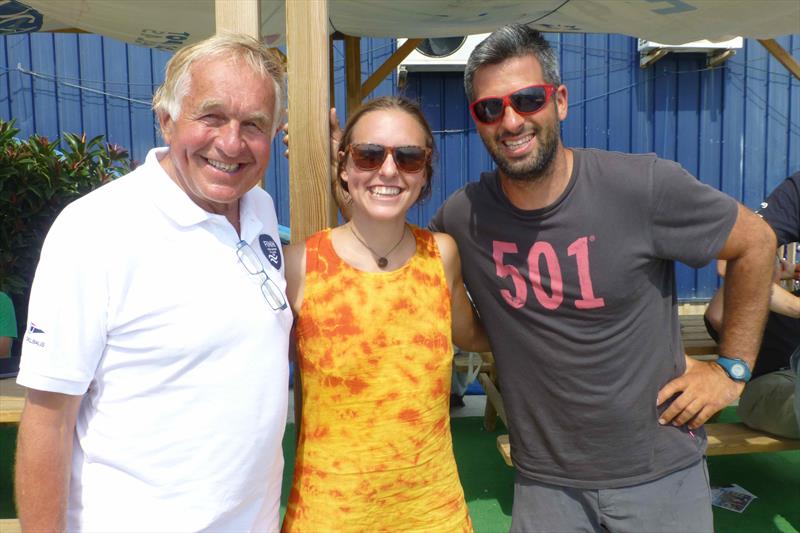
<point x="488" y="482"/>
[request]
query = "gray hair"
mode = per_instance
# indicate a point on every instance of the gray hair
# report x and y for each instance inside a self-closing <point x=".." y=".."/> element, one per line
<point x="515" y="40"/>
<point x="267" y="63"/>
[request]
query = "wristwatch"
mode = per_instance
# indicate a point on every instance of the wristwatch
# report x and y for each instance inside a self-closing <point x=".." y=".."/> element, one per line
<point x="736" y="368"/>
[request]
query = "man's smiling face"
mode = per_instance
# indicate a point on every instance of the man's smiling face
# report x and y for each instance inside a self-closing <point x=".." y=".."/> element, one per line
<point x="522" y="146"/>
<point x="219" y="146"/>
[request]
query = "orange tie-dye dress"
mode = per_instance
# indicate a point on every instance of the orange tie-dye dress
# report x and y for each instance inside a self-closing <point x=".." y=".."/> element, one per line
<point x="375" y="451"/>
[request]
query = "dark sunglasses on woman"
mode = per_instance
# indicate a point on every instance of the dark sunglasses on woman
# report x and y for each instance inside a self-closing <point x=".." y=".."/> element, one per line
<point x="369" y="156"/>
<point x="525" y="101"/>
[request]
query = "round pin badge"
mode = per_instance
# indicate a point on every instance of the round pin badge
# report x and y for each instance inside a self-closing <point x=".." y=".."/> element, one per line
<point x="271" y="250"/>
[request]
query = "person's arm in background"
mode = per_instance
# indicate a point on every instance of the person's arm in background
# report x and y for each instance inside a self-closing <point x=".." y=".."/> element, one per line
<point x="784" y="302"/>
<point x="44" y="459"/>
<point x="713" y="312"/>
<point x="8" y="325"/>
<point x="5" y="346"/>
<point x="781" y="301"/>
<point x="705" y="387"/>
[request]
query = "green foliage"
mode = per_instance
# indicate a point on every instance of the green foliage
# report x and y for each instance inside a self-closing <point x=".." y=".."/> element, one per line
<point x="37" y="180"/>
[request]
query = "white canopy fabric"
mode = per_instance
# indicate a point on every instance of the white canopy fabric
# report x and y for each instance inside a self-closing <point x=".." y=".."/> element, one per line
<point x="167" y="24"/>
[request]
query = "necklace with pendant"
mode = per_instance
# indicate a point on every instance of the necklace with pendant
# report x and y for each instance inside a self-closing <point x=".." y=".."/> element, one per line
<point x="380" y="260"/>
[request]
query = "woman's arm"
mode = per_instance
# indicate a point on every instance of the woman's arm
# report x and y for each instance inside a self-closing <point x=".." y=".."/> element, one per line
<point x="295" y="255"/>
<point x="468" y="332"/>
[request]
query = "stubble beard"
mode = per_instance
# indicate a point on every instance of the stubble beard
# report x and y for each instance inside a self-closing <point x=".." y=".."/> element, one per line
<point x="536" y="165"/>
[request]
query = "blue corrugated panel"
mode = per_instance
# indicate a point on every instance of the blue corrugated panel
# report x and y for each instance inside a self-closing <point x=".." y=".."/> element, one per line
<point x="52" y="83"/>
<point x="92" y="77"/>
<point x="65" y="46"/>
<point x="20" y="87"/>
<point x="737" y="128"/>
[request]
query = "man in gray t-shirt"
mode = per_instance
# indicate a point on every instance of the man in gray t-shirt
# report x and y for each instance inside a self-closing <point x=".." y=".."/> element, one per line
<point x="569" y="256"/>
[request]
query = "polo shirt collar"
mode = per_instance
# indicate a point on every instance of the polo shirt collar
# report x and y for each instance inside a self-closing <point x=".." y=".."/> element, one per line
<point x="177" y="205"/>
<point x="249" y="221"/>
<point x="170" y="198"/>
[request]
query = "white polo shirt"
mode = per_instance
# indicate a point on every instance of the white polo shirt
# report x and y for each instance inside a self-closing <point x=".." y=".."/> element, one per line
<point x="141" y="305"/>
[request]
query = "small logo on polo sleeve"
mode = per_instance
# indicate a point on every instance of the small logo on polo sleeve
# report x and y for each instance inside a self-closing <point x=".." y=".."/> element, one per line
<point x="271" y="250"/>
<point x="35" y="335"/>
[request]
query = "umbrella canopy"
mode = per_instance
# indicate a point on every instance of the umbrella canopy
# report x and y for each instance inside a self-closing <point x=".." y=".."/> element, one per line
<point x="168" y="24"/>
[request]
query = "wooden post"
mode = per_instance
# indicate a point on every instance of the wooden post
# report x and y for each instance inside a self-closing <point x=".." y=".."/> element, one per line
<point x="782" y="55"/>
<point x="238" y="16"/>
<point x="352" y="68"/>
<point x="309" y="164"/>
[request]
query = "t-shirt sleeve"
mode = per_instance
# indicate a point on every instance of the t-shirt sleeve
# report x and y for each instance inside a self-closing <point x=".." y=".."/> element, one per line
<point x="8" y="320"/>
<point x="690" y="220"/>
<point x="781" y="210"/>
<point x="67" y="315"/>
<point x="436" y="224"/>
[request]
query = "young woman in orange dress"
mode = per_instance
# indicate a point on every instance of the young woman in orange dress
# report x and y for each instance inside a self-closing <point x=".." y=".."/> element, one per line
<point x="378" y="304"/>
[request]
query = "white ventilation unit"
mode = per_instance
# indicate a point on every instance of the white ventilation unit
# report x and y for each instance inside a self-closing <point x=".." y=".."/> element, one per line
<point x="717" y="52"/>
<point x="441" y="53"/>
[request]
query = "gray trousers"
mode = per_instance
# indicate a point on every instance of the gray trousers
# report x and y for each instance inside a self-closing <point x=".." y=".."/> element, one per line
<point x="678" y="502"/>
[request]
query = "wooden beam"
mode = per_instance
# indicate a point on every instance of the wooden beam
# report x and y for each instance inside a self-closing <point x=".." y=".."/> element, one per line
<point x="782" y="55"/>
<point x="238" y="16"/>
<point x="493" y="395"/>
<point x="67" y="30"/>
<point x="352" y="69"/>
<point x="388" y="66"/>
<point x="307" y="45"/>
<point x="331" y="80"/>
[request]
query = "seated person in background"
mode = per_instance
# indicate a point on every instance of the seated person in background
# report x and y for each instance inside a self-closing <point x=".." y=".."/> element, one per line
<point x="767" y="402"/>
<point x="8" y="325"/>
<point x="377" y="302"/>
<point x="772" y="402"/>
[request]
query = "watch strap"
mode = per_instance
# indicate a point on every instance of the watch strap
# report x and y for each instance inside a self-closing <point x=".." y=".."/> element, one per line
<point x="737" y="369"/>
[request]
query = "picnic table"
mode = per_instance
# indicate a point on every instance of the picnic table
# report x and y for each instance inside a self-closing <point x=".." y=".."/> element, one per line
<point x="12" y="399"/>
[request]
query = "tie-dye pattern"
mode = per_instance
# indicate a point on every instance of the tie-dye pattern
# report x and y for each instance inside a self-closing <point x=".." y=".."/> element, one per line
<point x="375" y="450"/>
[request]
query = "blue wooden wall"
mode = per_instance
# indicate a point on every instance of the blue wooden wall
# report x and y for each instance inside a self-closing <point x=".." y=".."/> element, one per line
<point x="736" y="127"/>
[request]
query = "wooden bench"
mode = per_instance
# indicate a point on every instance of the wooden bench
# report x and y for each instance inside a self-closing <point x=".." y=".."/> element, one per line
<point x="10" y="525"/>
<point x="12" y="399"/>
<point x="723" y="439"/>
<point x="696" y="340"/>
<point x="487" y="377"/>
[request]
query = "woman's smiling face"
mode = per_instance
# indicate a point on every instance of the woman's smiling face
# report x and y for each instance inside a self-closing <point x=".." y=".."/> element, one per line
<point x="386" y="192"/>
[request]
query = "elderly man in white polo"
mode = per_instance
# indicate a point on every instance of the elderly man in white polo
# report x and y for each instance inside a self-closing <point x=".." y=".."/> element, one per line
<point x="155" y="355"/>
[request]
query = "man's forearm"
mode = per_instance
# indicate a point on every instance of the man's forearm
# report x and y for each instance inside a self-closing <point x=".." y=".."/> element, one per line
<point x="44" y="457"/>
<point x="747" y="289"/>
<point x="784" y="302"/>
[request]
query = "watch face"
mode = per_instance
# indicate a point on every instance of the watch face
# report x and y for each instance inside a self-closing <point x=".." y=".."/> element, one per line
<point x="737" y="369"/>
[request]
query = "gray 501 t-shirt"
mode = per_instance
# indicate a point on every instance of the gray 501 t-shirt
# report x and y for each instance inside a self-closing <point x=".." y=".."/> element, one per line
<point x="579" y="302"/>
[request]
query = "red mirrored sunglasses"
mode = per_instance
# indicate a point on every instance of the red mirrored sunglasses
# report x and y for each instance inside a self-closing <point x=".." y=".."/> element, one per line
<point x="369" y="156"/>
<point x="525" y="101"/>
